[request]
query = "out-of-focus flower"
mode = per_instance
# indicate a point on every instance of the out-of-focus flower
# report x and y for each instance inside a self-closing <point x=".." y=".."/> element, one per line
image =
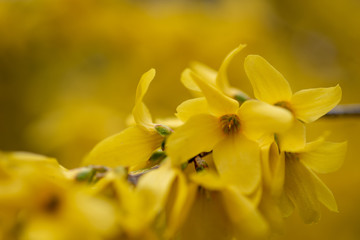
<point x="39" y="202"/>
<point x="270" y="86"/>
<point x="220" y="211"/>
<point x="135" y="144"/>
<point x="302" y="188"/>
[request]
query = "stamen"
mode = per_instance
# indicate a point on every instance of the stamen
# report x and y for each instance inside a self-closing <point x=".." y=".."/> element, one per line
<point x="230" y="123"/>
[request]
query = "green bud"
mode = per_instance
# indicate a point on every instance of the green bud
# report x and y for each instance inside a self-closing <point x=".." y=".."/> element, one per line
<point x="157" y="156"/>
<point x="163" y="130"/>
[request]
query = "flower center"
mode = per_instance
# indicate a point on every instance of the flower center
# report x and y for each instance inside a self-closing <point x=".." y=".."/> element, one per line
<point x="230" y="123"/>
<point x="285" y="105"/>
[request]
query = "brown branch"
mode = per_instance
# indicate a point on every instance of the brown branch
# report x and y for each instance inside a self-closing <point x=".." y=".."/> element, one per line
<point x="346" y="110"/>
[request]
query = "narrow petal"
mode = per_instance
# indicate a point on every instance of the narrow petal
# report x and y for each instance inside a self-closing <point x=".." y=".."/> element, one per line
<point x="286" y="205"/>
<point x="243" y="214"/>
<point x="237" y="160"/>
<point x="293" y="140"/>
<point x="199" y="134"/>
<point x="273" y="166"/>
<point x="177" y="206"/>
<point x="311" y="104"/>
<point x="127" y="148"/>
<point x="300" y="188"/>
<point x="324" y="157"/>
<point x="268" y="83"/>
<point x="222" y="81"/>
<point x="259" y="119"/>
<point x="155" y="186"/>
<point x="187" y="80"/>
<point x="323" y="193"/>
<point x="141" y="114"/>
<point x="204" y="71"/>
<point x="192" y="107"/>
<point x="219" y="104"/>
<point x="208" y="180"/>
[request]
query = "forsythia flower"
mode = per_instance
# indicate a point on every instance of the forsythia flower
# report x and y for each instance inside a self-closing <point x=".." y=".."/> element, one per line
<point x="302" y="187"/>
<point x="307" y="105"/>
<point x="135" y="144"/>
<point x="229" y="131"/>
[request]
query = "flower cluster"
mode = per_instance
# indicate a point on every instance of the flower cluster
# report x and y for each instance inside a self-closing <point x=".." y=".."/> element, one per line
<point x="251" y="167"/>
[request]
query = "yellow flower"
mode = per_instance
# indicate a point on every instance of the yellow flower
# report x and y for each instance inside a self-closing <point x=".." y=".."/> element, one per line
<point x="37" y="201"/>
<point x="217" y="78"/>
<point x="135" y="144"/>
<point x="302" y="188"/>
<point x="229" y="131"/>
<point x="306" y="105"/>
<point x="219" y="211"/>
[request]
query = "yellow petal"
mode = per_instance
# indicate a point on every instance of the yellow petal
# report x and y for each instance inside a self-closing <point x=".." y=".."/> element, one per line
<point x="207" y="218"/>
<point x="311" y="104"/>
<point x="127" y="148"/>
<point x="199" y="134"/>
<point x="191" y="107"/>
<point x="243" y="214"/>
<point x="222" y="81"/>
<point x="293" y="140"/>
<point x="323" y="193"/>
<point x="286" y="205"/>
<point x="207" y="73"/>
<point x="259" y="119"/>
<point x="273" y="166"/>
<point x="177" y="205"/>
<point x="324" y="157"/>
<point x="208" y="180"/>
<point x="269" y="84"/>
<point x="300" y="188"/>
<point x="155" y="187"/>
<point x="237" y="160"/>
<point x="219" y="104"/>
<point x="187" y="80"/>
<point x="141" y="114"/>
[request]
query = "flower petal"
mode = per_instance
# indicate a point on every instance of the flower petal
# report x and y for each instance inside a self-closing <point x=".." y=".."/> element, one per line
<point x="187" y="80"/>
<point x="206" y="72"/>
<point x="311" y="104"/>
<point x="127" y="148"/>
<point x="219" y="104"/>
<point x="192" y="107"/>
<point x="199" y="134"/>
<point x="243" y="214"/>
<point x="155" y="186"/>
<point x="300" y="188"/>
<point x="237" y="160"/>
<point x="141" y="114"/>
<point x="324" y="157"/>
<point x="273" y="168"/>
<point x="293" y="140"/>
<point x="259" y="119"/>
<point x="222" y="81"/>
<point x="208" y="180"/>
<point x="268" y="83"/>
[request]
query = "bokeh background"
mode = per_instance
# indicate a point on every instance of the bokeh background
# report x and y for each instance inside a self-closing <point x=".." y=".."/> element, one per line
<point x="69" y="70"/>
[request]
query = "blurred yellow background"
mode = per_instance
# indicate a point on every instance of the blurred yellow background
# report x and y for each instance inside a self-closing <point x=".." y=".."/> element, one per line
<point x="69" y="69"/>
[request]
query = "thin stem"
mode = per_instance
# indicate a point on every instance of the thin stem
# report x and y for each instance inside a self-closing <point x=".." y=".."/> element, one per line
<point x="345" y="110"/>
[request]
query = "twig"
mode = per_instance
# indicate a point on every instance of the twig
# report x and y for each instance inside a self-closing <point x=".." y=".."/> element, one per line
<point x="346" y="110"/>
